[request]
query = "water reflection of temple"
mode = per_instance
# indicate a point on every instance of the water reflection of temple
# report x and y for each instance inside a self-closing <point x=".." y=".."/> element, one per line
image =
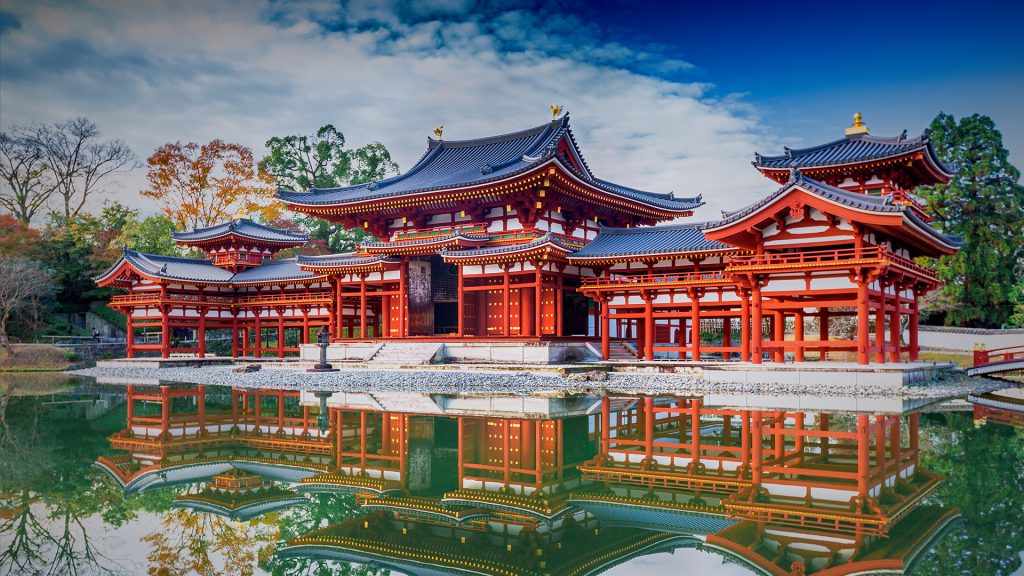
<point x="780" y="491"/>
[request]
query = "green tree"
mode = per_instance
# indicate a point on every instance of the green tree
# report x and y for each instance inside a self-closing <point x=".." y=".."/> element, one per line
<point x="322" y="161"/>
<point x="150" y="235"/>
<point x="984" y="203"/>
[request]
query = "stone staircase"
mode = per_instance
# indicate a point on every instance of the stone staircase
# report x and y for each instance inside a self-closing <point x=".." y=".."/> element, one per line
<point x="620" y="353"/>
<point x="406" y="353"/>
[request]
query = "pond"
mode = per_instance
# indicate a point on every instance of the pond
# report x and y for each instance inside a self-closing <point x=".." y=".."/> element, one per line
<point x="170" y="480"/>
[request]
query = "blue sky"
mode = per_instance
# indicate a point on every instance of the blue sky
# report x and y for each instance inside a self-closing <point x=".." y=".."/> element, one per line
<point x="664" y="96"/>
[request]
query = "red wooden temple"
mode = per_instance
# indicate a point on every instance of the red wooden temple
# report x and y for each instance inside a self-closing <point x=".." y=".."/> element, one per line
<point x="513" y="238"/>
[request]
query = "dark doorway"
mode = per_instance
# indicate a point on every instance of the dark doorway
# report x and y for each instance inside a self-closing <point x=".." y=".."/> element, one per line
<point x="446" y="317"/>
<point x="576" y="317"/>
<point x="444" y="286"/>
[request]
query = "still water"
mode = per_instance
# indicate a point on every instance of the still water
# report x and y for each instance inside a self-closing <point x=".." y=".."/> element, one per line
<point x="184" y="480"/>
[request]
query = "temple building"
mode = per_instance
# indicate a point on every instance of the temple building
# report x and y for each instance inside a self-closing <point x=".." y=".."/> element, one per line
<point x="513" y="238"/>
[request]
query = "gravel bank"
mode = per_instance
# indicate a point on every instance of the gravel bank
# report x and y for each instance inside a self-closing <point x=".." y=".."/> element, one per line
<point x="517" y="382"/>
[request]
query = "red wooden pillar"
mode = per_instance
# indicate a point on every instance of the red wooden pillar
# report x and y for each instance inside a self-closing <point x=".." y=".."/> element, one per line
<point x="695" y="453"/>
<point x="332" y="309"/>
<point x="914" y="349"/>
<point x="280" y="410"/>
<point x="339" y="316"/>
<point x="462" y="319"/>
<point x="798" y="335"/>
<point x="745" y="326"/>
<point x="755" y="321"/>
<point x="538" y="297"/>
<point x="695" y="325"/>
<point x="129" y="327"/>
<point x="403" y="299"/>
<point x="648" y="327"/>
<point x="606" y="329"/>
<point x="880" y="325"/>
<point x="234" y="335"/>
<point x="362" y="307"/>
<point x="559" y="302"/>
<point x="165" y="331"/>
<point x="823" y="426"/>
<point x="863" y="342"/>
<point x="506" y="326"/>
<point x="304" y="338"/>
<point x="234" y="406"/>
<point x="894" y="325"/>
<point x="506" y="452"/>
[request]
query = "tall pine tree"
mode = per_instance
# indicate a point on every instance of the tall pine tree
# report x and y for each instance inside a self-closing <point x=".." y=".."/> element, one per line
<point x="984" y="203"/>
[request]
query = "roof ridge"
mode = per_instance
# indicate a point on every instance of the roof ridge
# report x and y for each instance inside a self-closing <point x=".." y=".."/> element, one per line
<point x="656" y="228"/>
<point x="536" y="130"/>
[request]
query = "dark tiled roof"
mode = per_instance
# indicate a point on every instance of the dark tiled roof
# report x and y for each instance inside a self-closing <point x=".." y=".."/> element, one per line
<point x="200" y="270"/>
<point x="273" y="270"/>
<point x="341" y="260"/>
<point x="456" y="163"/>
<point x="509" y="248"/>
<point x="241" y="227"/>
<point x="838" y="195"/>
<point x="172" y="267"/>
<point x="652" y="240"/>
<point x="427" y="241"/>
<point x="850" y="150"/>
<point x="851" y="199"/>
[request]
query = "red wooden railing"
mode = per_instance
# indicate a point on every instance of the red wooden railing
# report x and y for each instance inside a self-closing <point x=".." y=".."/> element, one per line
<point x="152" y="298"/>
<point x="838" y="256"/>
<point x="616" y="279"/>
<point x="995" y="355"/>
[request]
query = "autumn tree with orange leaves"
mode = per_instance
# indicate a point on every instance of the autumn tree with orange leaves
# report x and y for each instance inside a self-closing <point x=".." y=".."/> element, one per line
<point x="198" y="185"/>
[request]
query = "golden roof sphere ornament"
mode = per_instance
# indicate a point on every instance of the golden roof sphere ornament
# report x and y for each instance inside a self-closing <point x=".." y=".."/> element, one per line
<point x="556" y="111"/>
<point x="858" y="126"/>
<point x="438" y="131"/>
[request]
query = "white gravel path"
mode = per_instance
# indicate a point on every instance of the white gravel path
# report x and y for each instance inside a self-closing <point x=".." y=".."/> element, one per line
<point x="517" y="382"/>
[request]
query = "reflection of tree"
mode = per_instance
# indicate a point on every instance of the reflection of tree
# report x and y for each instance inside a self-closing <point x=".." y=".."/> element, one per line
<point x="322" y="510"/>
<point x="190" y="541"/>
<point x="48" y="490"/>
<point x="984" y="470"/>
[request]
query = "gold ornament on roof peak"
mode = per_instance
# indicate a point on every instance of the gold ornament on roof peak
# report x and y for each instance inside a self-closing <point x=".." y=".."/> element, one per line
<point x="556" y="110"/>
<point x="438" y="131"/>
<point x="858" y="126"/>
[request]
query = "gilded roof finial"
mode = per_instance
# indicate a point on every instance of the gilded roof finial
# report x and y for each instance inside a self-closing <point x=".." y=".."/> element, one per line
<point x="556" y="110"/>
<point x="438" y="131"/>
<point x="858" y="126"/>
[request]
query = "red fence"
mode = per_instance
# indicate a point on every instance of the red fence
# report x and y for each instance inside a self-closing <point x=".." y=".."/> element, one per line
<point x="996" y="355"/>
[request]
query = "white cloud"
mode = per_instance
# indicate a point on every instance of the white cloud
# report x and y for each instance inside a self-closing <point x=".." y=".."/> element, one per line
<point x="156" y="72"/>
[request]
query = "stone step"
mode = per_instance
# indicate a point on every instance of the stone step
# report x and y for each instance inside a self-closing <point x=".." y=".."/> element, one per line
<point x="404" y="353"/>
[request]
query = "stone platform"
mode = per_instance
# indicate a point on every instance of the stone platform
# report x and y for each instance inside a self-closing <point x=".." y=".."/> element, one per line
<point x="836" y="373"/>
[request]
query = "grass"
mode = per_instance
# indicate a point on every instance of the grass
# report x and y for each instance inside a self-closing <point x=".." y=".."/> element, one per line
<point x="35" y="358"/>
<point x="961" y="360"/>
